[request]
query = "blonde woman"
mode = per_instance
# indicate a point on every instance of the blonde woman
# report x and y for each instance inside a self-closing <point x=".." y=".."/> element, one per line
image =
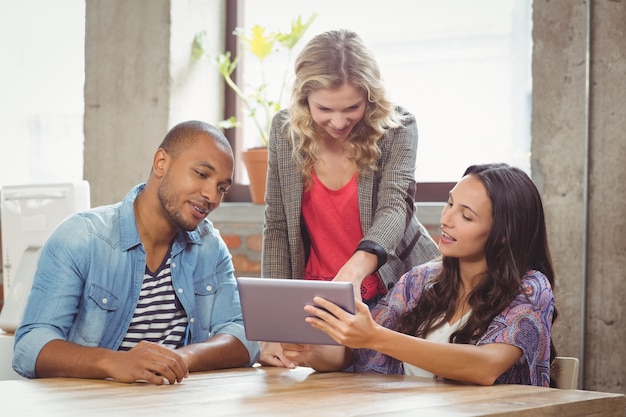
<point x="341" y="185"/>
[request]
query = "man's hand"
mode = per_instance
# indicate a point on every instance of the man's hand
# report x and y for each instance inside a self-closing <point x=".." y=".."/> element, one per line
<point x="149" y="362"/>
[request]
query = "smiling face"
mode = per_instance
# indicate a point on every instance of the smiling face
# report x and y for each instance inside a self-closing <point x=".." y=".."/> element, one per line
<point x="466" y="221"/>
<point x="194" y="183"/>
<point x="338" y="110"/>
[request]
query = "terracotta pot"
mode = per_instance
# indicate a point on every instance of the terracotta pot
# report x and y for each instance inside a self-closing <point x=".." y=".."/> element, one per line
<point x="256" y="165"/>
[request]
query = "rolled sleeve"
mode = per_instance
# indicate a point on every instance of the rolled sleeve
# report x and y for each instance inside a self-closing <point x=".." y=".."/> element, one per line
<point x="53" y="299"/>
<point x="27" y="350"/>
<point x="237" y="330"/>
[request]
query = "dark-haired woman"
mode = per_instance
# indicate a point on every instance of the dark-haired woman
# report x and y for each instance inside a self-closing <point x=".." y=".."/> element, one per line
<point x="481" y="314"/>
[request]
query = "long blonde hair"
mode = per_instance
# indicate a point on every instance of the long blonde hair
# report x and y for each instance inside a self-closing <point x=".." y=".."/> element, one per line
<point x="327" y="61"/>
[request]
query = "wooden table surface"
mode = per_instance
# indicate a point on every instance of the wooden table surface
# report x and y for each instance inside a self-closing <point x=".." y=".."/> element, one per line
<point x="267" y="391"/>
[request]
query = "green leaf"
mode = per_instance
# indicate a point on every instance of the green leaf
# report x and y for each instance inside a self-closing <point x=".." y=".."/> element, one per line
<point x="224" y="64"/>
<point x="228" y="123"/>
<point x="199" y="45"/>
<point x="291" y="38"/>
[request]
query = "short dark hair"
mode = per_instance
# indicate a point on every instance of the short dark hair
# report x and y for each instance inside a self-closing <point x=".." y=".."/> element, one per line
<point x="181" y="136"/>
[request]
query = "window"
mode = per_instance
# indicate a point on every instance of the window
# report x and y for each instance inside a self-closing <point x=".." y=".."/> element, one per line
<point x="41" y="109"/>
<point x="463" y="68"/>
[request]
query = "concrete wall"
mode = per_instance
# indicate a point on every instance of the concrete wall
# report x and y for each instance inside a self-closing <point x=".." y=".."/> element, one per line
<point x="578" y="161"/>
<point x="605" y="318"/>
<point x="137" y="74"/>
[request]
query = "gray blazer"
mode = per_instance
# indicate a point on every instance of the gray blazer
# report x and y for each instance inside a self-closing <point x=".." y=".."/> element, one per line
<point x="386" y="205"/>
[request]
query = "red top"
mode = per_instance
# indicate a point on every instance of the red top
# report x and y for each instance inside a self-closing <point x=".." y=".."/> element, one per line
<point x="333" y="222"/>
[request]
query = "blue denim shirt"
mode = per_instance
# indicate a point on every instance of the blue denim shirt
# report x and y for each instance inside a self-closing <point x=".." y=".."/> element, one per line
<point x="89" y="276"/>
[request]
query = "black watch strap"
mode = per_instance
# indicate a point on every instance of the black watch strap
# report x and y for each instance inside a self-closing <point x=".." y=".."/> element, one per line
<point x="375" y="249"/>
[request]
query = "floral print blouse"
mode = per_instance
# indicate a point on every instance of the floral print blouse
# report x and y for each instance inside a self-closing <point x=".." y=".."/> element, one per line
<point x="525" y="323"/>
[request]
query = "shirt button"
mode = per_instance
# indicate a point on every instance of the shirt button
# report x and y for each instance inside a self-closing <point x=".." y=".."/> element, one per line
<point x="209" y="288"/>
<point x="105" y="300"/>
<point x="173" y="265"/>
<point x="180" y="290"/>
<point x="192" y="320"/>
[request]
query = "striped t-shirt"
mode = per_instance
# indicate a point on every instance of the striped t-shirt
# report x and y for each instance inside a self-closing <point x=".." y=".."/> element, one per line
<point x="159" y="317"/>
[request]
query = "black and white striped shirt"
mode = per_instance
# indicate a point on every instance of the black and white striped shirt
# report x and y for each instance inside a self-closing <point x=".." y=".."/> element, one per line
<point x="159" y="317"/>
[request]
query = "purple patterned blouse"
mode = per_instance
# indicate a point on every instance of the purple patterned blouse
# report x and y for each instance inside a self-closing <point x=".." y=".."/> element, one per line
<point x="525" y="323"/>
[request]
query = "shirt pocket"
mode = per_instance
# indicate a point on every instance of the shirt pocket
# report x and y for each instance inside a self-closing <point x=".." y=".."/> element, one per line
<point x="205" y="290"/>
<point x="92" y="321"/>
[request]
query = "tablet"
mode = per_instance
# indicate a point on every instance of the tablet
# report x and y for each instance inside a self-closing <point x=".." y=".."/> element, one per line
<point x="273" y="308"/>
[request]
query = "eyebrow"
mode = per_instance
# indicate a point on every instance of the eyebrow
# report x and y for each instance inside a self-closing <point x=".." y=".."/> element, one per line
<point x="357" y="104"/>
<point x="463" y="205"/>
<point x="211" y="168"/>
<point x="470" y="209"/>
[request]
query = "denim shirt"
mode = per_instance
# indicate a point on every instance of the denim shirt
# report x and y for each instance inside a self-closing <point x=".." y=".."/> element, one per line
<point x="90" y="273"/>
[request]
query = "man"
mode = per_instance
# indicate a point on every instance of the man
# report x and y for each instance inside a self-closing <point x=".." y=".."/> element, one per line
<point x="142" y="290"/>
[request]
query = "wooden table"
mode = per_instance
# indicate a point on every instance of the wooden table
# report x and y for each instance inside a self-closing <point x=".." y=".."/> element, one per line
<point x="267" y="391"/>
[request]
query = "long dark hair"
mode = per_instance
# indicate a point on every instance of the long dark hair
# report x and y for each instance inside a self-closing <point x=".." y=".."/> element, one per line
<point x="516" y="244"/>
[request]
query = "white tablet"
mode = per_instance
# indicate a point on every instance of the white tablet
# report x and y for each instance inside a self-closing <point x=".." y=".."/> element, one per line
<point x="273" y="309"/>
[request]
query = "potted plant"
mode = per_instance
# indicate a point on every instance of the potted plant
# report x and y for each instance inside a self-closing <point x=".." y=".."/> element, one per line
<point x="258" y="101"/>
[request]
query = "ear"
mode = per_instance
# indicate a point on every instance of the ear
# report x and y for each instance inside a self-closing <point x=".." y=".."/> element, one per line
<point x="160" y="162"/>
